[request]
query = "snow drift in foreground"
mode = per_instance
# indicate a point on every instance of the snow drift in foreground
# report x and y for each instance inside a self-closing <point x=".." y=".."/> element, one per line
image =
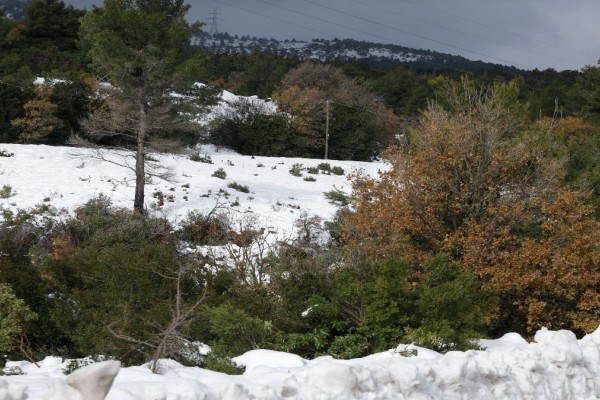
<point x="555" y="366"/>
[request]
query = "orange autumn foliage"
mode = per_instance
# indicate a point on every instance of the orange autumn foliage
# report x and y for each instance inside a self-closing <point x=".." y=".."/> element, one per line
<point x="40" y="120"/>
<point x="474" y="186"/>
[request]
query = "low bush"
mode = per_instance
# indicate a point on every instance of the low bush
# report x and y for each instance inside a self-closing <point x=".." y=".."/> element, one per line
<point x="199" y="229"/>
<point x="206" y="159"/>
<point x="239" y="187"/>
<point x="5" y="153"/>
<point x="337" y="197"/>
<point x="337" y="171"/>
<point x="6" y="192"/>
<point x="325" y="167"/>
<point x="296" y="170"/>
<point x="15" y="315"/>
<point x="219" y="173"/>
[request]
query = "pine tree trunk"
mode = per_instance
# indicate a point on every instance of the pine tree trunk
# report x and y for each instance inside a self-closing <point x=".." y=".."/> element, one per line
<point x="140" y="174"/>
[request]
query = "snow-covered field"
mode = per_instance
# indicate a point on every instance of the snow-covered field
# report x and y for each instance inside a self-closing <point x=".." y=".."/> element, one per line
<point x="64" y="178"/>
<point x="555" y="366"/>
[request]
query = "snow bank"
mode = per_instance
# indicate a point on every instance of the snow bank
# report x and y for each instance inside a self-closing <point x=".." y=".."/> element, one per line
<point x="555" y="366"/>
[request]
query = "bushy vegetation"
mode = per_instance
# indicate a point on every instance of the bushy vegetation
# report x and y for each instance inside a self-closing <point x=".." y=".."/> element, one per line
<point x="15" y="319"/>
<point x="203" y="158"/>
<point x="219" y="173"/>
<point x="239" y="187"/>
<point x="486" y="221"/>
<point x="486" y="187"/>
<point x="105" y="281"/>
<point x="6" y="192"/>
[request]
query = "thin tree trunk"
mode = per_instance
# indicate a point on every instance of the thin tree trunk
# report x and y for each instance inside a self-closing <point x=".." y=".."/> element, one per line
<point x="140" y="174"/>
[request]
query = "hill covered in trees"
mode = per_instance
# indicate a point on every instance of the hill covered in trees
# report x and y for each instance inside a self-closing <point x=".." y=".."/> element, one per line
<point x="385" y="56"/>
<point x="14" y="8"/>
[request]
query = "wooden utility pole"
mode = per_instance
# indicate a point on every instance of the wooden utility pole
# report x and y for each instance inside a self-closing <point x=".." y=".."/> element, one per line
<point x="327" y="129"/>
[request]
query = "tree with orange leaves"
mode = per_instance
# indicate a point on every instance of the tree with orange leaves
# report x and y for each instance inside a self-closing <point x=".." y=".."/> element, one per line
<point x="476" y="185"/>
<point x="360" y="125"/>
<point x="40" y="120"/>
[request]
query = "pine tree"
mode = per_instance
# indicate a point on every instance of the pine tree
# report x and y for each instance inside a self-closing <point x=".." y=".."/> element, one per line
<point x="141" y="48"/>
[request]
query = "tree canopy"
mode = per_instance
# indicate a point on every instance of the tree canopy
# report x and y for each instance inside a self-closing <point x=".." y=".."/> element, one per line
<point x="141" y="48"/>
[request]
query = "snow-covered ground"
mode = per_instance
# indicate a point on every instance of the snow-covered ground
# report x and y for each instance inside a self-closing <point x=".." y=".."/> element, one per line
<point x="555" y="366"/>
<point x="64" y="178"/>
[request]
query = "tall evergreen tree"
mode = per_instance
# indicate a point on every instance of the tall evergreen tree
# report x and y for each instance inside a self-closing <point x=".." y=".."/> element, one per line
<point x="49" y="37"/>
<point x="141" y="48"/>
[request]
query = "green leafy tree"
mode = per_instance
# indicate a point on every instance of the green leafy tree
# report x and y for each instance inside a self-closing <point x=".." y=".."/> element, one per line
<point x="588" y="89"/>
<point x="14" y="317"/>
<point x="405" y="90"/>
<point x="251" y="128"/>
<point x="16" y="89"/>
<point x="263" y="72"/>
<point x="142" y="47"/>
<point x="451" y="307"/>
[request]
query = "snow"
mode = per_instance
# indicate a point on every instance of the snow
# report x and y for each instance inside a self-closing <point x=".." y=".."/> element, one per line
<point x="226" y="105"/>
<point x="322" y="50"/>
<point x="253" y="359"/>
<point x="65" y="178"/>
<point x="555" y="366"/>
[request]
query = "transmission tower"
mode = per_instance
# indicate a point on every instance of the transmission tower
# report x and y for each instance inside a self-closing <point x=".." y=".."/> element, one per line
<point x="213" y="20"/>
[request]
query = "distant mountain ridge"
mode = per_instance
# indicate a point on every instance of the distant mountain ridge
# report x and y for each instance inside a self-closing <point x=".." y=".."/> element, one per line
<point x="386" y="56"/>
<point x="14" y="9"/>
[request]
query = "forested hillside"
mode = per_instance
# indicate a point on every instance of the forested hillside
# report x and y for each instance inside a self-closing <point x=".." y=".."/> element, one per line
<point x="484" y="217"/>
<point x="384" y="56"/>
<point x="14" y="9"/>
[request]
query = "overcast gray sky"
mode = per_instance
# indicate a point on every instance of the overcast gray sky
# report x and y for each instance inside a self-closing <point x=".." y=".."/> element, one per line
<point x="560" y="34"/>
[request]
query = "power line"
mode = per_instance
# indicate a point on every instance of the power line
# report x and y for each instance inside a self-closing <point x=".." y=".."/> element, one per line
<point x="312" y="29"/>
<point x="214" y="22"/>
<point x="333" y="23"/>
<point x="493" y="27"/>
<point x="458" y="31"/>
<point x="275" y="18"/>
<point x="385" y="39"/>
<point x="446" y="44"/>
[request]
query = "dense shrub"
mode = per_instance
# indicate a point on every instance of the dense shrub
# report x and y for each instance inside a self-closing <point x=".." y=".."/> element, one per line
<point x="115" y="273"/>
<point x="219" y="173"/>
<point x="252" y="129"/>
<point x="239" y="187"/>
<point x="15" y="316"/>
<point x="202" y="229"/>
<point x="203" y="158"/>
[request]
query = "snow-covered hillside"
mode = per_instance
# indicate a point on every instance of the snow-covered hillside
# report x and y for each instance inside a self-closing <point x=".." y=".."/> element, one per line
<point x="64" y="178"/>
<point x="556" y="366"/>
<point x="387" y="56"/>
<point x="318" y="49"/>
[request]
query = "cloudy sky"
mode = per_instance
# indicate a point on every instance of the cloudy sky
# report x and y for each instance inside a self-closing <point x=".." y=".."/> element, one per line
<point x="560" y="34"/>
